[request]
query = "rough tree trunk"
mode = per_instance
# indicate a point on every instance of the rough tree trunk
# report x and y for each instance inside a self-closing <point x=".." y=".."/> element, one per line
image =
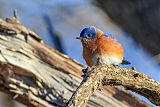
<point x="37" y="75"/>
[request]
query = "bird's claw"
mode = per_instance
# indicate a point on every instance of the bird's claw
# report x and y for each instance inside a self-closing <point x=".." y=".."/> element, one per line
<point x="86" y="71"/>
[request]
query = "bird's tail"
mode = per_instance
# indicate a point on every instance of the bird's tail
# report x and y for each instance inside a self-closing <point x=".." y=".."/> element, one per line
<point x="125" y="62"/>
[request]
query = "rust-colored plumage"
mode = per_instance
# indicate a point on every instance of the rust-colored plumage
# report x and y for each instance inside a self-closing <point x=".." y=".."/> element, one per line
<point x="98" y="45"/>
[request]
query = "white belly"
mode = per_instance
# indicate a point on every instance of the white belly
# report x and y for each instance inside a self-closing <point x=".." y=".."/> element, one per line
<point x="106" y="60"/>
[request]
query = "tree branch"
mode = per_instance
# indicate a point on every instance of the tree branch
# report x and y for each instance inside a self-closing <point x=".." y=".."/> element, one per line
<point x="115" y="75"/>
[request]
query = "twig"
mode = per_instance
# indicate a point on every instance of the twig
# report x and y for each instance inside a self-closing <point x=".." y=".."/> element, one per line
<point x="15" y="14"/>
<point x="54" y="35"/>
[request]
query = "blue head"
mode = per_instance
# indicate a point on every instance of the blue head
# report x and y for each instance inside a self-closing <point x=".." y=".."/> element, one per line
<point x="89" y="33"/>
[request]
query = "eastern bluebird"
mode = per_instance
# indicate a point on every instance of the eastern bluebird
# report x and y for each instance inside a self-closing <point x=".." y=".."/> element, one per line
<point x="101" y="46"/>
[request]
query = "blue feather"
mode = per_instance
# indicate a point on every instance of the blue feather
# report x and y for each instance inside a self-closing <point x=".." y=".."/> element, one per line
<point x="109" y="35"/>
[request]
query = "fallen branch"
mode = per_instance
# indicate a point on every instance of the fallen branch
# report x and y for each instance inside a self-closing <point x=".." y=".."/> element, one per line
<point x="32" y="72"/>
<point x="114" y="75"/>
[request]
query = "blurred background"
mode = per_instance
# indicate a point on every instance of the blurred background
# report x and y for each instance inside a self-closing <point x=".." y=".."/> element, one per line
<point x="134" y="23"/>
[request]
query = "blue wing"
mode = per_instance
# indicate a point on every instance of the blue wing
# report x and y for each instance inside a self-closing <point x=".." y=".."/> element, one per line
<point x="108" y="35"/>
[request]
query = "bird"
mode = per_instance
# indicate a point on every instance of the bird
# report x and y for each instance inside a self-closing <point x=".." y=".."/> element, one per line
<point x="101" y="46"/>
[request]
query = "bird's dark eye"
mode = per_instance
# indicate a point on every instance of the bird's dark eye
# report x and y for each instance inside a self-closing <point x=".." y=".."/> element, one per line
<point x="88" y="35"/>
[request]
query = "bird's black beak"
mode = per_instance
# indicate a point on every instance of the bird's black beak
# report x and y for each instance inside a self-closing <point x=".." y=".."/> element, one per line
<point x="78" y="37"/>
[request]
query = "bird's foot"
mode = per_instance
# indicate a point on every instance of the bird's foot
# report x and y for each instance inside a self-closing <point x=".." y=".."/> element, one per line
<point x="86" y="72"/>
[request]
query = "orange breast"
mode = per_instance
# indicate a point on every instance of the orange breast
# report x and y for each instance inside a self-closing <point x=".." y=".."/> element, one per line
<point x="89" y="50"/>
<point x="104" y="47"/>
<point x="110" y="47"/>
<point x="87" y="56"/>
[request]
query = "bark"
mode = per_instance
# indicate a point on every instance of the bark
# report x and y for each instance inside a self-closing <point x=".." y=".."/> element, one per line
<point x="38" y="76"/>
<point x="114" y="75"/>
